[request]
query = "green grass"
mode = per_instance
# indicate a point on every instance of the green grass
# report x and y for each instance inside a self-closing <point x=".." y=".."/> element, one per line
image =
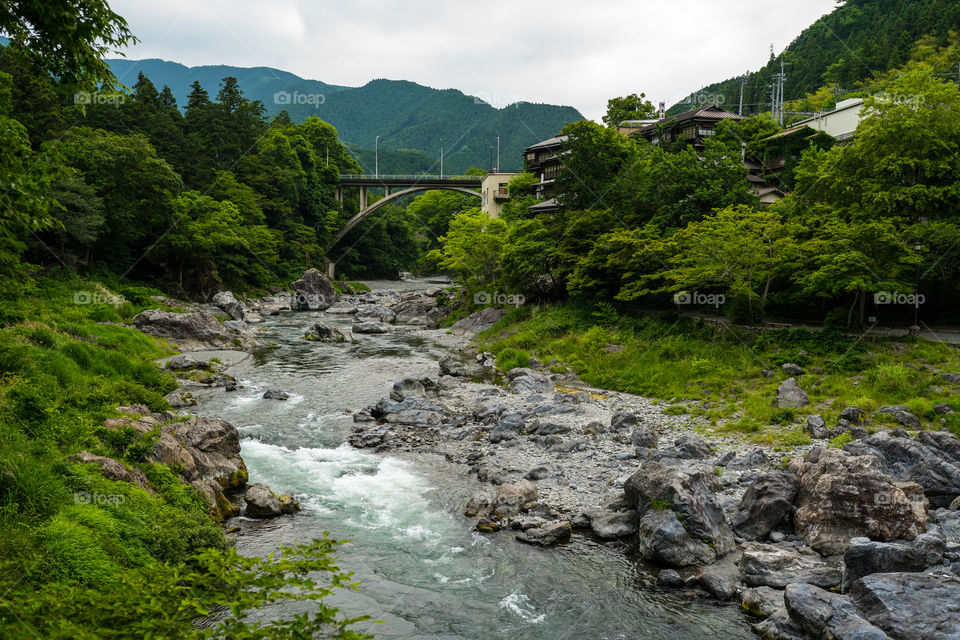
<point x="511" y="358"/>
<point x="719" y="375"/>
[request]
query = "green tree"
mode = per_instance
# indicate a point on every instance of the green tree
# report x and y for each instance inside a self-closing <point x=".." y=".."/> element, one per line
<point x="631" y="107"/>
<point x="472" y="248"/>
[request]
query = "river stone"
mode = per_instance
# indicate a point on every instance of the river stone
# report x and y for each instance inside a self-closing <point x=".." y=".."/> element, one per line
<point x="180" y="398"/>
<point x="853" y="415"/>
<point x="643" y="437"/>
<point x="191" y="328"/>
<point x="610" y="525"/>
<point x="829" y="616"/>
<point x="376" y="312"/>
<point x="371" y="327"/>
<point x="526" y="380"/>
<point x="509" y="426"/>
<point x="669" y="579"/>
<point x="313" y="292"/>
<point x="288" y="504"/>
<point x="479" y="321"/>
<point x="229" y="304"/>
<point x="933" y="462"/>
<point x="761" y="601"/>
<point x="721" y="579"/>
<point x="414" y="411"/>
<point x="865" y="557"/>
<point x="513" y="497"/>
<point x="911" y="606"/>
<point x="902" y="414"/>
<point x="342" y="307"/>
<point x="691" y="447"/>
<point x="845" y="496"/>
<point x="663" y="539"/>
<point x="689" y="491"/>
<point x="817" y="427"/>
<point x="771" y="566"/>
<point x="765" y="504"/>
<point x="623" y="420"/>
<point x="186" y="361"/>
<point x="275" y="394"/>
<point x="321" y="332"/>
<point x="261" y="501"/>
<point x="791" y="396"/>
<point x="792" y="369"/>
<point x="405" y="388"/>
<point x="780" y="626"/>
<point x="547" y="535"/>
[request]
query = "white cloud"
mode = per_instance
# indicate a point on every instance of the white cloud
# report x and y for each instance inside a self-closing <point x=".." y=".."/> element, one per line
<point x="561" y="52"/>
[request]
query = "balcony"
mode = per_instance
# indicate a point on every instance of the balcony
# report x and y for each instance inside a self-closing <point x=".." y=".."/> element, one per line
<point x="501" y="194"/>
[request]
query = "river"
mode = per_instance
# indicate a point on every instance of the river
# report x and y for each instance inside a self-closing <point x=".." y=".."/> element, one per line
<point x="423" y="572"/>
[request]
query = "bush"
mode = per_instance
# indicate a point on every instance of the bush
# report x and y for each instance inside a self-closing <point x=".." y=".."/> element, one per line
<point x="512" y="358"/>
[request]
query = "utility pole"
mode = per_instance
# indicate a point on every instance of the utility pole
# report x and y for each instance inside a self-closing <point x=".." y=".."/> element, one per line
<point x="498" y="154"/>
<point x="776" y="94"/>
<point x="743" y="81"/>
<point x="441" y="158"/>
<point x="376" y="158"/>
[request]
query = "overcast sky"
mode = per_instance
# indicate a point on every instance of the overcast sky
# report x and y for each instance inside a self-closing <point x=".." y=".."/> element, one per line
<point x="565" y="52"/>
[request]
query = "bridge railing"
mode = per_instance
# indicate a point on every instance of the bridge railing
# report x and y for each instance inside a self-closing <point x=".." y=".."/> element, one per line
<point x="358" y="176"/>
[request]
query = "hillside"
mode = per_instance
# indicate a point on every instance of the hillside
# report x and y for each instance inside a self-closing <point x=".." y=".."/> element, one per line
<point x="860" y="39"/>
<point x="407" y="116"/>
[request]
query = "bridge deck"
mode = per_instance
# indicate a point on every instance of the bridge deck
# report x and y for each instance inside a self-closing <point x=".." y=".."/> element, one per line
<point x="357" y="180"/>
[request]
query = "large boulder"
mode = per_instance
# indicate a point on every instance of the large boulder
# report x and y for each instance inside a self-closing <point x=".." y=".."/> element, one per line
<point x="114" y="469"/>
<point x="610" y="525"/>
<point x="261" y="502"/>
<point x="524" y="380"/>
<point x="229" y="305"/>
<point x="414" y="411"/>
<point x="762" y="602"/>
<point x="191" y="329"/>
<point x="479" y="321"/>
<point x="901" y="414"/>
<point x="791" y="396"/>
<point x="375" y="312"/>
<point x="911" y="606"/>
<point x="313" y="292"/>
<point x="827" y="616"/>
<point x="765" y="565"/>
<point x="766" y="502"/>
<point x="360" y="326"/>
<point x="513" y="498"/>
<point x="845" y="496"/>
<point x="402" y="389"/>
<point x="663" y="539"/>
<point x="421" y="309"/>
<point x="933" y="462"/>
<point x="865" y="557"/>
<point x="690" y="492"/>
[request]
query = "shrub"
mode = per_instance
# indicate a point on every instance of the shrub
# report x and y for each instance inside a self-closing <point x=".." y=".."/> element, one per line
<point x="511" y="358"/>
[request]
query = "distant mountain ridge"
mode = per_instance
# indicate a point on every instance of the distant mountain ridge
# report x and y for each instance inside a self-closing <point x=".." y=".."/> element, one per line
<point x="407" y="116"/>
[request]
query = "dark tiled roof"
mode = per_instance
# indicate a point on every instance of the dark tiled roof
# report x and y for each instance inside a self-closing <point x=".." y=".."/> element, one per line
<point x="710" y="112"/>
<point x="546" y="205"/>
<point x="546" y="144"/>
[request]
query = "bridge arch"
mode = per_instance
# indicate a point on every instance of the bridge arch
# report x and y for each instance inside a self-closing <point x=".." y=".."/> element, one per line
<point x="396" y="195"/>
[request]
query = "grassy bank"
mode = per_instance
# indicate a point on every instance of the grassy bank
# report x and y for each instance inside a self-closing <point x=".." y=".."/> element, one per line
<point x="82" y="555"/>
<point x="729" y="376"/>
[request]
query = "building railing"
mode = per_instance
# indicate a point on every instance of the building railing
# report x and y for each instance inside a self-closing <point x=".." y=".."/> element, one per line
<point x="421" y="177"/>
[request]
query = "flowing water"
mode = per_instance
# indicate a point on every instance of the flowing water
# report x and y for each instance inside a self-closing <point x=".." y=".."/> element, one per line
<point x="423" y="572"/>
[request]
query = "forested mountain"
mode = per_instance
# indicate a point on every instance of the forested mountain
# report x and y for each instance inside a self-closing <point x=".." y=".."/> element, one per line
<point x="406" y="115"/>
<point x="859" y="40"/>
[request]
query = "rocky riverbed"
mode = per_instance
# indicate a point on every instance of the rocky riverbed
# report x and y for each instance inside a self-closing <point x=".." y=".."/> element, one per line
<point x="814" y="542"/>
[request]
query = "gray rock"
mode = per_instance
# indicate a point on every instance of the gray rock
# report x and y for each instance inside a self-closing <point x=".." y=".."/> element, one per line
<point x="313" y="292"/>
<point x="901" y="414"/>
<point x="691" y="447"/>
<point x="770" y="566"/>
<point x="791" y="396"/>
<point x="229" y="304"/>
<point x="762" y="602"/>
<point x="371" y="327"/>
<point x="792" y="369"/>
<point x="623" y="420"/>
<point x="413" y="411"/>
<point x="690" y="491"/>
<point x="911" y="606"/>
<point x="663" y="539"/>
<point x="827" y="616"/>
<point x="342" y="307"/>
<point x="114" y="469"/>
<point x="191" y="328"/>
<point x="817" y="427"/>
<point x="374" y="313"/>
<point x="180" y="398"/>
<point x="669" y="579"/>
<point x="765" y="504"/>
<point x="610" y="525"/>
<point x="780" y="626"/>
<point x="853" y="415"/>
<point x="261" y="502"/>
<point x="537" y="473"/>
<point x="547" y="535"/>
<point x="479" y="321"/>
<point x="512" y="498"/>
<point x="942" y="409"/>
<point x="844" y="496"/>
<point x="405" y="388"/>
<point x="185" y="361"/>
<point x="509" y="426"/>
<point x="321" y="332"/>
<point x="275" y="394"/>
<point x="526" y="380"/>
<point x="865" y="557"/>
<point x="722" y="579"/>
<point x="450" y="366"/>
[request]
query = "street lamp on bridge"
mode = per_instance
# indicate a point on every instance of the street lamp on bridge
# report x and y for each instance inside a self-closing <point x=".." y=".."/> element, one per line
<point x="376" y="158"/>
<point x="441" y="158"/>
